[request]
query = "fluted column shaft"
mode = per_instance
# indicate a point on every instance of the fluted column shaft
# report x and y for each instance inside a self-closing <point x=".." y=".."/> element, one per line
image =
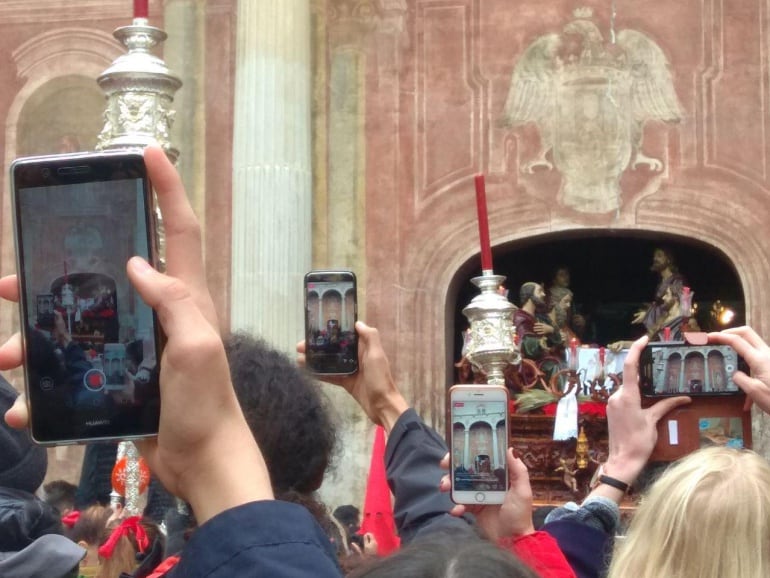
<point x="271" y="244"/>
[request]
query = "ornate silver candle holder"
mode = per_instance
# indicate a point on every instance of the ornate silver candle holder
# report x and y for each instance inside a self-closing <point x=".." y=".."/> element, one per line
<point x="140" y="90"/>
<point x="491" y="345"/>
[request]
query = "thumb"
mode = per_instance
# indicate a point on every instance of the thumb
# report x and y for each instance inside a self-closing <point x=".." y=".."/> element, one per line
<point x="368" y="335"/>
<point x="518" y="474"/>
<point x="169" y="297"/>
<point x="664" y="406"/>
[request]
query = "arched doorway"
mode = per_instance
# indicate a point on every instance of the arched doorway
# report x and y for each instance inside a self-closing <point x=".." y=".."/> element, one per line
<point x="611" y="279"/>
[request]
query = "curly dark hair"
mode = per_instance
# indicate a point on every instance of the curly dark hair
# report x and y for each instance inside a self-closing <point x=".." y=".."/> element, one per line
<point x="286" y="413"/>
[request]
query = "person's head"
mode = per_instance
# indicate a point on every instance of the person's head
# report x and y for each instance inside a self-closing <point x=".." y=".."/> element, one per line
<point x="89" y="531"/>
<point x="350" y="517"/>
<point x="61" y="495"/>
<point x="285" y="412"/>
<point x="128" y="542"/>
<point x="561" y="301"/>
<point x="707" y="516"/>
<point x="561" y="277"/>
<point x="534" y="292"/>
<point x="447" y="555"/>
<point x="669" y="299"/>
<point x="663" y="259"/>
<point x="23" y="464"/>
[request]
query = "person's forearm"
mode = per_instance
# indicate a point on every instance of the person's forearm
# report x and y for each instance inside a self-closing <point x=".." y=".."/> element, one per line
<point x="389" y="409"/>
<point x="622" y="469"/>
<point x="232" y="474"/>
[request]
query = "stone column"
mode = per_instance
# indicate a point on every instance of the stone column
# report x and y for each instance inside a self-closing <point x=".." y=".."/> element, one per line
<point x="271" y="208"/>
<point x="467" y="448"/>
<point x="184" y="53"/>
<point x="495" y="451"/>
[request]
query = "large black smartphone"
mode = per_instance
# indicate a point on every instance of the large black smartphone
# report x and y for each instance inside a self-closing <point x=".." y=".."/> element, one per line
<point x="91" y="345"/>
<point x="331" y="309"/>
<point x="676" y="368"/>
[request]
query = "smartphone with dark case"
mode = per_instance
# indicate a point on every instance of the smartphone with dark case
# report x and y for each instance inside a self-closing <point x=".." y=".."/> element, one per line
<point x="331" y="310"/>
<point x="678" y="368"/>
<point x="91" y="345"/>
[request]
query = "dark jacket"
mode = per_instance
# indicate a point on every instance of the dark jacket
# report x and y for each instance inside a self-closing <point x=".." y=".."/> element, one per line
<point x="412" y="458"/>
<point x="277" y="539"/>
<point x="268" y="538"/>
<point x="23" y="519"/>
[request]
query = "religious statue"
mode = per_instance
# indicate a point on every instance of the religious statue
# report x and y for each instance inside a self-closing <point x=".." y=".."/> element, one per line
<point x="569" y="471"/>
<point x="659" y="312"/>
<point x="561" y="298"/>
<point x="540" y="339"/>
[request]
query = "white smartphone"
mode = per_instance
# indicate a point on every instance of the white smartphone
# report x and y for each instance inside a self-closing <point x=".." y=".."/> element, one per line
<point x="478" y="422"/>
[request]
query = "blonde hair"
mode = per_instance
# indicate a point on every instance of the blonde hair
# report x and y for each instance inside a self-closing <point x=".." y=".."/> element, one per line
<point x="708" y="516"/>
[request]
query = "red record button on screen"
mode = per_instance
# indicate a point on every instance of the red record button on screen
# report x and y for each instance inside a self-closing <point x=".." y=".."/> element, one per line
<point x="94" y="379"/>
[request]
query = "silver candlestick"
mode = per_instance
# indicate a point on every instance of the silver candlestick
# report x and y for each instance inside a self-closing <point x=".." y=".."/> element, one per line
<point x="140" y="90"/>
<point x="491" y="344"/>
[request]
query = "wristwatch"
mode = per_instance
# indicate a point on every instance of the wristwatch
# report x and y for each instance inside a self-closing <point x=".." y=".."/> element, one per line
<point x="601" y="478"/>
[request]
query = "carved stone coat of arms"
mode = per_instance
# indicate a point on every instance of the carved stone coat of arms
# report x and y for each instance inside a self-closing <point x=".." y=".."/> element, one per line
<point x="590" y="100"/>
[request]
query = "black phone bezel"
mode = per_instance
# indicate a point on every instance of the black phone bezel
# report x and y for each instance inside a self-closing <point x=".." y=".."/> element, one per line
<point x="646" y="386"/>
<point x="59" y="426"/>
<point x="321" y="276"/>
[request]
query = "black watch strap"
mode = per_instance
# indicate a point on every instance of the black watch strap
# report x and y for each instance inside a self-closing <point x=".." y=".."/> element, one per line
<point x="622" y="486"/>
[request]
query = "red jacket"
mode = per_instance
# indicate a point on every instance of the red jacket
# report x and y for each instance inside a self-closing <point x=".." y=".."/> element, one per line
<point x="540" y="552"/>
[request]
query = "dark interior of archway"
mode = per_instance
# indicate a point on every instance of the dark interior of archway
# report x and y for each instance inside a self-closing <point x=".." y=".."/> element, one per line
<point x="610" y="277"/>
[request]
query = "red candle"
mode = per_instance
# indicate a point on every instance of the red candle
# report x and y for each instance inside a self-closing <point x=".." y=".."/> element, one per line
<point x="481" y="208"/>
<point x="141" y="10"/>
<point x="666" y="334"/>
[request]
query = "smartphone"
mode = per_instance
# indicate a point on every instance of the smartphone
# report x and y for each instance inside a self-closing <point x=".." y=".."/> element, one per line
<point x="478" y="425"/>
<point x="667" y="369"/>
<point x="331" y="310"/>
<point x="91" y="345"/>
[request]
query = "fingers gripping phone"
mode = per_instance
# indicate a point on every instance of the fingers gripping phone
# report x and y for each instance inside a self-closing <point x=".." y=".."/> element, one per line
<point x="331" y="309"/>
<point x="478" y="416"/>
<point x="91" y="344"/>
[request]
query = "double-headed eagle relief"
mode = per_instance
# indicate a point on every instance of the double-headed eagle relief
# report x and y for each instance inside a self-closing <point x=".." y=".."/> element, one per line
<point x="590" y="99"/>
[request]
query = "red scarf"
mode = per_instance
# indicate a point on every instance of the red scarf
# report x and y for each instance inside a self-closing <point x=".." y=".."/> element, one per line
<point x="164" y="567"/>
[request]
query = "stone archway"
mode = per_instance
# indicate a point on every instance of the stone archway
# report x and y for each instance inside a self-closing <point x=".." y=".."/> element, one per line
<point x="447" y="242"/>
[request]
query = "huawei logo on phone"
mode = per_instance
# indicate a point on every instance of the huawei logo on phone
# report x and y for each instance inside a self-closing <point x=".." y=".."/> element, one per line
<point x="95" y="422"/>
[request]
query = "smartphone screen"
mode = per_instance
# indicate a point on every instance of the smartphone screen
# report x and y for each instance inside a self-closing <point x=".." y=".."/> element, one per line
<point x="331" y="308"/>
<point x="91" y="343"/>
<point x="680" y="369"/>
<point x="479" y="440"/>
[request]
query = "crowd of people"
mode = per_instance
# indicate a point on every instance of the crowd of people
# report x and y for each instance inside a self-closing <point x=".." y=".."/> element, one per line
<point x="246" y="440"/>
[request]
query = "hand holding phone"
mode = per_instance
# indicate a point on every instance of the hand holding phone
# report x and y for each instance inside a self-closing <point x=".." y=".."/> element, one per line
<point x="77" y="221"/>
<point x="478" y="421"/>
<point x="211" y="479"/>
<point x="331" y="309"/>
<point x="756" y="353"/>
